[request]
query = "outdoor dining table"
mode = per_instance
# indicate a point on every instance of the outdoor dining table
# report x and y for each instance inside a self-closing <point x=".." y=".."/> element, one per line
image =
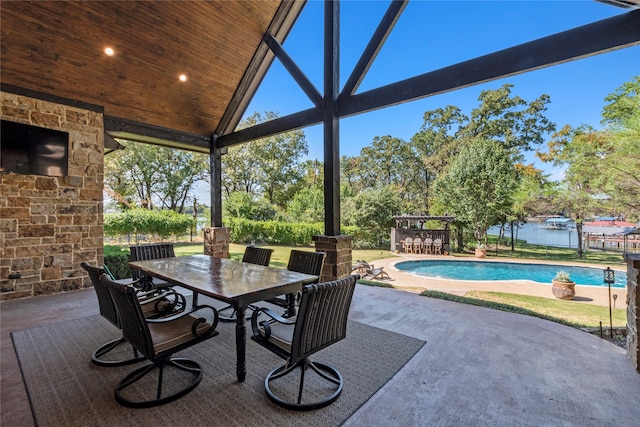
<point x="236" y="283"/>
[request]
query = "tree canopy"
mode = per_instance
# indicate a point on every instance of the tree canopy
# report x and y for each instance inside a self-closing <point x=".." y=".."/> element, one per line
<point x="270" y="167"/>
<point x="603" y="164"/>
<point x="478" y="186"/>
<point x="150" y="176"/>
<point x="468" y="165"/>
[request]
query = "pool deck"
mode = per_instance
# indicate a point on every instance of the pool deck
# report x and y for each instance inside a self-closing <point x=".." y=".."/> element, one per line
<point x="413" y="282"/>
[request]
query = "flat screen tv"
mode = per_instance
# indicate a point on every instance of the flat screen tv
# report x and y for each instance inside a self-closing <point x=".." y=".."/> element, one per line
<point x="32" y="150"/>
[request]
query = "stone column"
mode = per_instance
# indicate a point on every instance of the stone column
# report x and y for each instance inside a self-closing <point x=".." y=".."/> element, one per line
<point x="338" y="261"/>
<point x="216" y="242"/>
<point x="633" y="310"/>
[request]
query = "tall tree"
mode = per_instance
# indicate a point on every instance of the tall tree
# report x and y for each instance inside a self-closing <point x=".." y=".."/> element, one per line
<point x="602" y="166"/>
<point x="181" y="170"/>
<point x="509" y="119"/>
<point x="374" y="209"/>
<point x="271" y="167"/>
<point x="622" y="104"/>
<point x="580" y="150"/>
<point x="149" y="176"/>
<point x="436" y="144"/>
<point x="478" y="186"/>
<point x="620" y="169"/>
<point x="391" y="161"/>
<point x="240" y="170"/>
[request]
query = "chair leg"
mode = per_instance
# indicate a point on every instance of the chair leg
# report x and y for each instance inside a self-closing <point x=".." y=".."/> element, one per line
<point x="97" y="359"/>
<point x="326" y="372"/>
<point x="134" y="377"/>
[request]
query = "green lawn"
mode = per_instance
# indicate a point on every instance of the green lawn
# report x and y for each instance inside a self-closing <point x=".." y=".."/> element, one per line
<point x="583" y="315"/>
<point x="280" y="255"/>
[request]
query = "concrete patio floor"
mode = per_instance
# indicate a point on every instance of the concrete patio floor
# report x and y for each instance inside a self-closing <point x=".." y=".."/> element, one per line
<point x="479" y="367"/>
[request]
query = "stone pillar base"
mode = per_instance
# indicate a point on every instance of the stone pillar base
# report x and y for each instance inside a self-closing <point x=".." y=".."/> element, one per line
<point x="633" y="310"/>
<point x="338" y="261"/>
<point x="216" y="242"/>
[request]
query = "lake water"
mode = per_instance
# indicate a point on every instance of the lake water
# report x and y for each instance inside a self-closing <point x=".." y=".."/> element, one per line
<point x="535" y="235"/>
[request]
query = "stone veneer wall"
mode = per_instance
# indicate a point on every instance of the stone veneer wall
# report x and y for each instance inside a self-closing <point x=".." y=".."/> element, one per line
<point x="633" y="310"/>
<point x="49" y="225"/>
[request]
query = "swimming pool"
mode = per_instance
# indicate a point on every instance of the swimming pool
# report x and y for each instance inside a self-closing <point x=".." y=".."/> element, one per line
<point x="478" y="270"/>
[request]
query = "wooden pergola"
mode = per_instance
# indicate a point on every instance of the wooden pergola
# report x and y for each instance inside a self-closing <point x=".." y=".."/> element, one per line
<point x="413" y="225"/>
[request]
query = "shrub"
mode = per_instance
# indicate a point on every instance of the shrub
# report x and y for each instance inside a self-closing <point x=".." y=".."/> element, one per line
<point x="562" y="276"/>
<point x="294" y="234"/>
<point x="117" y="260"/>
<point x="134" y="222"/>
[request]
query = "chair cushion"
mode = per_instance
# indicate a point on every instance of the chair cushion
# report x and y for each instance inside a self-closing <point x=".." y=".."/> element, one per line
<point x="157" y="283"/>
<point x="281" y="335"/>
<point x="174" y="333"/>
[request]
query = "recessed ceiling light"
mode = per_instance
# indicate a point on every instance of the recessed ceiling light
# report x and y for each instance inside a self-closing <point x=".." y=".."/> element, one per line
<point x="182" y="77"/>
<point x="109" y="51"/>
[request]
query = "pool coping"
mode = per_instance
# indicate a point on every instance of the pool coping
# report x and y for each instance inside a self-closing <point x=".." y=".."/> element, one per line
<point x="587" y="294"/>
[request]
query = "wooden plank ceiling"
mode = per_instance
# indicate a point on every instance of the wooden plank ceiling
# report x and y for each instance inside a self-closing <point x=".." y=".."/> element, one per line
<point x="57" y="48"/>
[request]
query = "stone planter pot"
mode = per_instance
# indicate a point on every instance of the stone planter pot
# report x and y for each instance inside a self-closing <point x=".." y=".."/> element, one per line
<point x="563" y="290"/>
<point x="481" y="252"/>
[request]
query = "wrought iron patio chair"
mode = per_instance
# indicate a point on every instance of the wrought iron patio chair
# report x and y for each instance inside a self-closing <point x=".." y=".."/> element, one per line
<point x="301" y="262"/>
<point x="321" y="322"/>
<point x="153" y="304"/>
<point x="158" y="340"/>
<point x="252" y="255"/>
<point x="148" y="252"/>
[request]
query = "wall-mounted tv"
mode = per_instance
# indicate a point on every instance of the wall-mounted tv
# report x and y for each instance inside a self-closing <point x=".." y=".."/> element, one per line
<point x="33" y="150"/>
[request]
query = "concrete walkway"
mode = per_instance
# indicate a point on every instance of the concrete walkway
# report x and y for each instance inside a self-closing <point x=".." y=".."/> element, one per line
<point x="482" y="367"/>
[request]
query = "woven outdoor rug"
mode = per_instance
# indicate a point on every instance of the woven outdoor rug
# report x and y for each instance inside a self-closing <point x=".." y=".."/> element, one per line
<point x="66" y="389"/>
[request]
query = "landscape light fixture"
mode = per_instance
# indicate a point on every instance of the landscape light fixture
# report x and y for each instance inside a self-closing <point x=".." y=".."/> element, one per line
<point x="609" y="278"/>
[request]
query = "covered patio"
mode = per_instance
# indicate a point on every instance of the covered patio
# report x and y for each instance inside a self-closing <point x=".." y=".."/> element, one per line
<point x="182" y="76"/>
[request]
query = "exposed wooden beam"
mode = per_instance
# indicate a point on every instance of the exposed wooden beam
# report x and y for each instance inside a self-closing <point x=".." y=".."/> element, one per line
<point x="18" y="90"/>
<point x="591" y="39"/>
<point x="373" y="47"/>
<point x="273" y="127"/>
<point x="295" y="71"/>
<point x="280" y="27"/>
<point x="215" y="175"/>
<point x="330" y="118"/>
<point x="140" y="132"/>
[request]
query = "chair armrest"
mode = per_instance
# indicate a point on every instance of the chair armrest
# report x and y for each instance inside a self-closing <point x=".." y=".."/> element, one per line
<point x="196" y="322"/>
<point x="265" y="323"/>
<point x="172" y="298"/>
<point x="144" y="284"/>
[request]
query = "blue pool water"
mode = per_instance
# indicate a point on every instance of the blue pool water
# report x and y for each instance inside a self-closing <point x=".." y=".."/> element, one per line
<point x="478" y="270"/>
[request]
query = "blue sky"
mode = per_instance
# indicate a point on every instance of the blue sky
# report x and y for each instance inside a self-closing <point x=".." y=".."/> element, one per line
<point x="433" y="34"/>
